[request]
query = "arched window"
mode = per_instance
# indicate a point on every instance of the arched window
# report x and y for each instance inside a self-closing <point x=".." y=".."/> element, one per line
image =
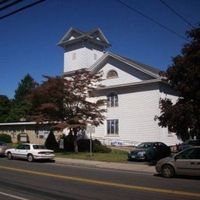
<point x="112" y="99"/>
<point x="112" y="74"/>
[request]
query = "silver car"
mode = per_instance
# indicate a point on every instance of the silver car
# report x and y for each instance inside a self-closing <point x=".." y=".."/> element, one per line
<point x="30" y="152"/>
<point x="186" y="162"/>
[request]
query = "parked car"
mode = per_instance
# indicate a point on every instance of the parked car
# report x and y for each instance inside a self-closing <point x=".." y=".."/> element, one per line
<point x="3" y="147"/>
<point x="186" y="162"/>
<point x="188" y="143"/>
<point x="149" y="151"/>
<point x="30" y="152"/>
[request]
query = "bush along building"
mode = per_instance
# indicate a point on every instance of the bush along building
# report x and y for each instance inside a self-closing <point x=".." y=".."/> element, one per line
<point x="133" y="90"/>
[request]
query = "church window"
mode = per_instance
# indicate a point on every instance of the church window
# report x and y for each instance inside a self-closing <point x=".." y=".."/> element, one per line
<point x="112" y="100"/>
<point x="112" y="74"/>
<point x="112" y="127"/>
<point x="74" y="56"/>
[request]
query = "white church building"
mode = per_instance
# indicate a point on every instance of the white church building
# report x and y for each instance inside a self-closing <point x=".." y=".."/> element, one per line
<point x="133" y="89"/>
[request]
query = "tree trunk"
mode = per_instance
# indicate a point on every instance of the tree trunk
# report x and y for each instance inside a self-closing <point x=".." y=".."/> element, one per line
<point x="75" y="141"/>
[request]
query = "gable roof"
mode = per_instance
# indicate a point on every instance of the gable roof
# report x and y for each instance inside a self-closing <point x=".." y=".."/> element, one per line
<point x="151" y="71"/>
<point x="154" y="72"/>
<point x="74" y="35"/>
<point x="145" y="82"/>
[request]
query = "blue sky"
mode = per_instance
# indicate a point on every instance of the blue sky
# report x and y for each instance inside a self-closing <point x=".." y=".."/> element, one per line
<point x="28" y="39"/>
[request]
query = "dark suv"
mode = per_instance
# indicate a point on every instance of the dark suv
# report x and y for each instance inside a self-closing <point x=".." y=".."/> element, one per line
<point x="149" y="151"/>
<point x="188" y="143"/>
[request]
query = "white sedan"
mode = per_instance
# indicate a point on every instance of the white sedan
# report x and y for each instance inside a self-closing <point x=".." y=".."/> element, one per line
<point x="30" y="152"/>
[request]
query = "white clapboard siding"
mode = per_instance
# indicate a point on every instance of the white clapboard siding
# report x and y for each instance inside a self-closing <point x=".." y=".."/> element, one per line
<point x="80" y="58"/>
<point x="136" y="113"/>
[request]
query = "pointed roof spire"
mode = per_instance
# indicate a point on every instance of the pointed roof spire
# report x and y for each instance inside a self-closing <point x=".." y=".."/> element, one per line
<point x="74" y="35"/>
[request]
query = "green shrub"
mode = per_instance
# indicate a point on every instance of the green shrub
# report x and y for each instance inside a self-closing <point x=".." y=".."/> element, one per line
<point x="69" y="142"/>
<point x="84" y="146"/>
<point x="97" y="142"/>
<point x="51" y="142"/>
<point x="5" y="138"/>
<point x="101" y="149"/>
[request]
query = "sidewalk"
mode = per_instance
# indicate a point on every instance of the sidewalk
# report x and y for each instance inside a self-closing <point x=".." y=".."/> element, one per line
<point x="132" y="166"/>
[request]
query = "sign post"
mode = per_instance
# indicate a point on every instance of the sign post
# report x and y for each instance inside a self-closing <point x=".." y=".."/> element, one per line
<point x="90" y="130"/>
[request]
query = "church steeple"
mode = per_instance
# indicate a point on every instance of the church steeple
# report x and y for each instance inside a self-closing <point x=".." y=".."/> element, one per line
<point x="82" y="49"/>
<point x="74" y="35"/>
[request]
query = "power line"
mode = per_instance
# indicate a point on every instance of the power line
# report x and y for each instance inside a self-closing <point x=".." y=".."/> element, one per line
<point x="10" y="4"/>
<point x="152" y="20"/>
<point x="176" y="13"/>
<point x="3" y="1"/>
<point x="20" y="9"/>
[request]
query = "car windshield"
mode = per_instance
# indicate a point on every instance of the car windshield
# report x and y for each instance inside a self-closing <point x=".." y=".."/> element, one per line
<point x="144" y="145"/>
<point x="39" y="147"/>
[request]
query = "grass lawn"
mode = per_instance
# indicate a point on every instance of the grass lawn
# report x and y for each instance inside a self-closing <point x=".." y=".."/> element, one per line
<point x="113" y="156"/>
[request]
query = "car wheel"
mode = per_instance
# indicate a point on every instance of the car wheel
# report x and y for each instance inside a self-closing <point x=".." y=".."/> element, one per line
<point x="167" y="171"/>
<point x="9" y="156"/>
<point x="30" y="158"/>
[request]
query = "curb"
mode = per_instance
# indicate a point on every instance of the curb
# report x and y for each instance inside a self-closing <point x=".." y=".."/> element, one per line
<point x="131" y="167"/>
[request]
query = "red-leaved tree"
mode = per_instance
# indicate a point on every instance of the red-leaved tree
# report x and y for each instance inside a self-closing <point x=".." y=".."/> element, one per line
<point x="66" y="100"/>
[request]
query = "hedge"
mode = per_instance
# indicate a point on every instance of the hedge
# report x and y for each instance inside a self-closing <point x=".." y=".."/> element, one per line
<point x="5" y="138"/>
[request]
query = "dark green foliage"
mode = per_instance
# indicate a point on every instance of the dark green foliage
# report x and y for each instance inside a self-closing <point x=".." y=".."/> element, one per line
<point x="69" y="143"/>
<point x="84" y="145"/>
<point x="183" y="75"/>
<point x="5" y="138"/>
<point x="19" y="111"/>
<point x="22" y="107"/>
<point x="51" y="142"/>
<point x="97" y="142"/>
<point x="26" y="85"/>
<point x="5" y="105"/>
<point x="101" y="148"/>
<point x="19" y="108"/>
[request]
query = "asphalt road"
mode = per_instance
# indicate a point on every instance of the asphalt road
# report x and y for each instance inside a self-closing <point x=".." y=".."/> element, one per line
<point x="50" y="181"/>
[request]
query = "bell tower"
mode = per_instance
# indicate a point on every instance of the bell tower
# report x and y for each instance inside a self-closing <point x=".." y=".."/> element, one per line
<point x="82" y="49"/>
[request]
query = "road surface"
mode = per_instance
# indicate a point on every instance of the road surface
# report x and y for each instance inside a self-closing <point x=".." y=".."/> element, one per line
<point x="51" y="181"/>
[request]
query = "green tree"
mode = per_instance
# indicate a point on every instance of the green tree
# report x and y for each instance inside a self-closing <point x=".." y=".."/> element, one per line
<point x="183" y="75"/>
<point x="4" y="108"/>
<point x="51" y="142"/>
<point x="21" y="107"/>
<point x="25" y="86"/>
<point x="66" y="100"/>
